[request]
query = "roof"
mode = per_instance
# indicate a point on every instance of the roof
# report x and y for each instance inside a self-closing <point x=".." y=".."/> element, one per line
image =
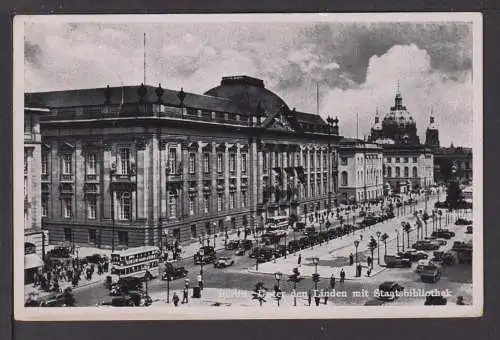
<point x="128" y="95"/>
<point x="246" y="93"/>
<point x="136" y="250"/>
<point x="453" y="150"/>
<point x="310" y="118"/>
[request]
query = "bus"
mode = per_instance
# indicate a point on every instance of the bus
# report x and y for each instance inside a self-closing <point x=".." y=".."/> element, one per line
<point x="277" y="222"/>
<point x="134" y="262"/>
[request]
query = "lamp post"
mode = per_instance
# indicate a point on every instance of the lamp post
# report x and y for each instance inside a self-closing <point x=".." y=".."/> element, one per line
<point x="169" y="278"/>
<point x="315" y="262"/>
<point x="403" y="236"/>
<point x="397" y="241"/>
<point x="112" y="193"/>
<point x="378" y="233"/>
<point x="215" y="233"/>
<point x="356" y="244"/>
<point x="277" y="276"/>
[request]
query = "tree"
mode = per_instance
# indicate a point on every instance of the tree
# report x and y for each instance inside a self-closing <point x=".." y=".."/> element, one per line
<point x="407" y="230"/>
<point x="384" y="238"/>
<point x="372" y="246"/>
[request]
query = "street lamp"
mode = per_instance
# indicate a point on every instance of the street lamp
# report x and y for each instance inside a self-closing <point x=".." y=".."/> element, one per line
<point x="169" y="278"/>
<point x="356" y="244"/>
<point x="112" y="193"/>
<point x="277" y="276"/>
<point x="403" y="235"/>
<point x="378" y="246"/>
<point x="397" y="241"/>
<point x="315" y="276"/>
<point x="215" y="232"/>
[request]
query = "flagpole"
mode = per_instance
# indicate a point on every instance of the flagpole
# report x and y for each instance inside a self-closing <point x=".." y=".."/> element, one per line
<point x="317" y="98"/>
<point x="144" y="57"/>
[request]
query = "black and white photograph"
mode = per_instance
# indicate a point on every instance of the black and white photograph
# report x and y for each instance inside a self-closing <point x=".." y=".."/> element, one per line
<point x="248" y="166"/>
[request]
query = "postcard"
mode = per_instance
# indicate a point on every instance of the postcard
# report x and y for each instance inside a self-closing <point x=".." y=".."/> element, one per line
<point x="248" y="166"/>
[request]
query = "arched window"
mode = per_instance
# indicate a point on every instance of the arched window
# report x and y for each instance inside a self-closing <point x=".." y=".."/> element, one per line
<point x="407" y="172"/>
<point x="343" y="179"/>
<point x="398" y="172"/>
<point x="414" y="172"/>
<point x="389" y="172"/>
<point x="124" y="211"/>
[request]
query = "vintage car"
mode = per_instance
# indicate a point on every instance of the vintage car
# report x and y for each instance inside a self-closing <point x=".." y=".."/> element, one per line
<point x="140" y="298"/>
<point x="265" y="254"/>
<point x="444" y="258"/>
<point x="293" y="246"/>
<point x="246" y="244"/>
<point x="232" y="245"/>
<point x="446" y="234"/>
<point x="173" y="273"/>
<point x="425" y="245"/>
<point x="388" y="291"/>
<point x="122" y="301"/>
<point x="469" y="229"/>
<point x="124" y="285"/>
<point x="299" y="226"/>
<point x="430" y="273"/>
<point x="414" y="255"/>
<point x="310" y="231"/>
<point x="223" y="262"/>
<point x="54" y="300"/>
<point x="435" y="300"/>
<point x="280" y="250"/>
<point x="205" y="255"/>
<point x="392" y="261"/>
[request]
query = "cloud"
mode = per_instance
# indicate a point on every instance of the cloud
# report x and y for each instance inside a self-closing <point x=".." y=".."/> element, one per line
<point x="423" y="89"/>
<point x="355" y="66"/>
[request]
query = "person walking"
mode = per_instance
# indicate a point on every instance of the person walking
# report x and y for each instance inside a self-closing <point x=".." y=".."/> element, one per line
<point x="342" y="275"/>
<point x="309" y="297"/>
<point x="332" y="281"/>
<point x="299" y="260"/>
<point x="175" y="299"/>
<point x="185" y="293"/>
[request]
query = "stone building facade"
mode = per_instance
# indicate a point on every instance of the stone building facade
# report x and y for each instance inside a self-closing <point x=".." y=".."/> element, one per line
<point x="360" y="171"/>
<point x="141" y="165"/>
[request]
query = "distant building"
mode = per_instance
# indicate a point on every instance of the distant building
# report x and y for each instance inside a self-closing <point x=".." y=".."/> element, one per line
<point x="408" y="164"/>
<point x="174" y="165"/>
<point x="447" y="159"/>
<point x="35" y="238"/>
<point x="360" y="171"/>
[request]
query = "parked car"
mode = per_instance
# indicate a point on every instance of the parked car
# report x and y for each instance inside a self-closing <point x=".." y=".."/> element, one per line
<point x="443" y="258"/>
<point x="232" y="245"/>
<point x="323" y="236"/>
<point x="300" y="226"/>
<point x="413" y="255"/>
<point x="54" y="300"/>
<point x="463" y="221"/>
<point x="223" y="262"/>
<point x="469" y="230"/>
<point x="435" y="300"/>
<point x="265" y="254"/>
<point x="388" y="291"/>
<point x="392" y="261"/>
<point x="246" y="244"/>
<point x="122" y="301"/>
<point x="174" y="272"/>
<point x="280" y="250"/>
<point x="304" y="242"/>
<point x="425" y="245"/>
<point x="430" y="273"/>
<point x="443" y="234"/>
<point x="310" y="231"/>
<point x="140" y="298"/>
<point x="255" y="252"/>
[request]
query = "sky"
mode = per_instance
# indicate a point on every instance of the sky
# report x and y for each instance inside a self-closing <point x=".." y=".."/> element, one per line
<point x="356" y="66"/>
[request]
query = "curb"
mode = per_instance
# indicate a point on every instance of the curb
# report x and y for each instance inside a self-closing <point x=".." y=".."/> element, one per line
<point x="323" y="277"/>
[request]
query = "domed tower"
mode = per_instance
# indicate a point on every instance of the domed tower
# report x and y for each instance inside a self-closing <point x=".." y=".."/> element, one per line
<point x="432" y="133"/>
<point x="399" y="125"/>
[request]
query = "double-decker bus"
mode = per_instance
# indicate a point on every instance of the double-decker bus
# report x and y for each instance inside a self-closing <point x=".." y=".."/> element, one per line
<point x="134" y="262"/>
<point x="277" y="222"/>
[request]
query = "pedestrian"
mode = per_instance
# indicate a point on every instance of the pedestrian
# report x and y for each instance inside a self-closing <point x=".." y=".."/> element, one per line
<point x="175" y="299"/>
<point x="299" y="260"/>
<point x="369" y="261"/>
<point x="332" y="281"/>
<point x="325" y="299"/>
<point x="199" y="278"/>
<point x="309" y="297"/>
<point x="238" y="233"/>
<point x="460" y="300"/>
<point x="342" y="275"/>
<point x="351" y="259"/>
<point x="361" y="237"/>
<point x="368" y="272"/>
<point x="185" y="292"/>
<point x="186" y="283"/>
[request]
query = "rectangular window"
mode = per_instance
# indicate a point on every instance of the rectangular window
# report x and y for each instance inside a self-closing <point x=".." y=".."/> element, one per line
<point x="27" y="124"/>
<point x="397" y="159"/>
<point x="388" y="159"/>
<point x="324" y="161"/>
<point x="206" y="163"/>
<point x="68" y="235"/>
<point x="276" y="159"/>
<point x="311" y="161"/>
<point x="124" y="207"/>
<point x="92" y="236"/>
<point x="232" y="162"/>
<point x="123" y="238"/>
<point x="172" y="160"/>
<point x="90" y="164"/>
<point x="243" y="163"/>
<point x="414" y="159"/>
<point x="220" y="163"/>
<point x="318" y="161"/>
<point x="406" y="159"/>
<point x="45" y="163"/>
<point x="243" y="199"/>
<point x="206" y="203"/>
<point x="67" y="207"/>
<point x="124" y="168"/>
<point x="343" y="160"/>
<point x="45" y="207"/>
<point x="193" y="231"/>
<point x="231" y="200"/>
<point x="91" y="208"/>
<point x="304" y="160"/>
<point x="219" y="202"/>
<point x="172" y="205"/>
<point x="191" y="205"/>
<point x="192" y="163"/>
<point x="67" y="164"/>
<point x="264" y="161"/>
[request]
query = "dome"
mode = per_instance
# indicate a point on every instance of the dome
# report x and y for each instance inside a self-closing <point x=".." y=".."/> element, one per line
<point x="398" y="115"/>
<point x="246" y="93"/>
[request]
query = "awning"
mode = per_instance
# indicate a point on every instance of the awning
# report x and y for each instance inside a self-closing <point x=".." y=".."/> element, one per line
<point x="32" y="261"/>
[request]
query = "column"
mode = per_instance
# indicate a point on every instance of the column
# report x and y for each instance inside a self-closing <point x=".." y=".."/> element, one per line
<point x="185" y="176"/>
<point x="237" y="198"/>
<point x="225" y="205"/>
<point x="142" y="168"/>
<point x="105" y="173"/>
<point x="79" y="202"/>
<point x="163" y="178"/>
